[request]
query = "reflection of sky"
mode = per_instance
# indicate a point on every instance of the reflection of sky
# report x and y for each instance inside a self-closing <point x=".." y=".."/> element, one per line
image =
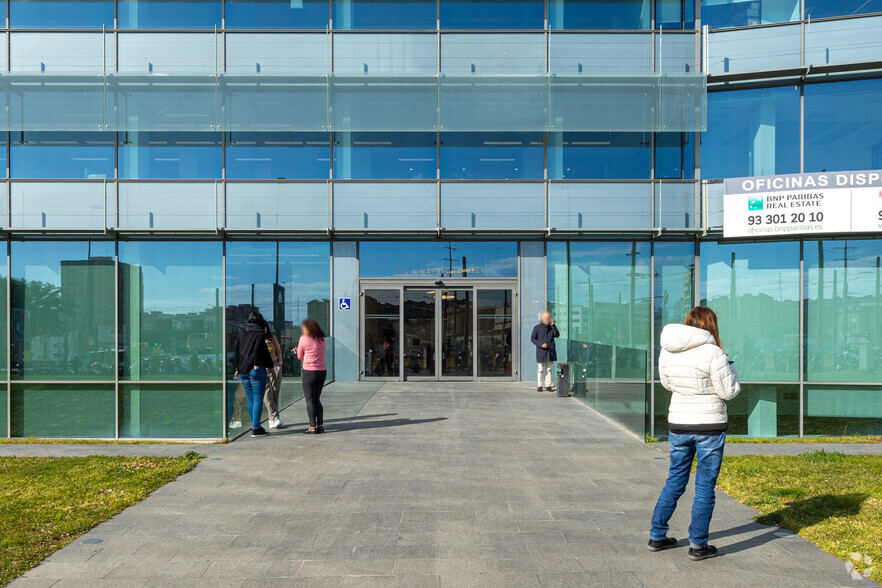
<point x="178" y="276"/>
<point x="391" y="259"/>
<point x="40" y="261"/>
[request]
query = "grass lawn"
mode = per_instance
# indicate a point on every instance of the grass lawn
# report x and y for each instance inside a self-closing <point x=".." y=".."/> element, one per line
<point x="809" y="440"/>
<point x="831" y="499"/>
<point x="46" y="502"/>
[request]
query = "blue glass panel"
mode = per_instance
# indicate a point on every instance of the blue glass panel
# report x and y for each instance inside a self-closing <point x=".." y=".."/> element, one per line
<point x="385" y="156"/>
<point x="822" y="8"/>
<point x="489" y="205"/>
<point x="282" y="156"/>
<point x="277" y="14"/>
<point x="492" y="14"/>
<point x="599" y="14"/>
<point x="842" y="126"/>
<point x="759" y="281"/>
<point x="170" y="14"/>
<point x="599" y="156"/>
<point x="675" y="14"/>
<point x="47" y="14"/>
<point x="381" y="206"/>
<point x="751" y="133"/>
<point x="739" y="13"/>
<point x="674" y="156"/>
<point x="492" y="156"/>
<point x="48" y="155"/>
<point x="498" y="259"/>
<point x="385" y="14"/>
<point x="157" y="155"/>
<point x="843" y="41"/>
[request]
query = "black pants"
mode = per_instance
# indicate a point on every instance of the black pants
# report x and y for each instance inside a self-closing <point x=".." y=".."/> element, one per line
<point x="313" y="382"/>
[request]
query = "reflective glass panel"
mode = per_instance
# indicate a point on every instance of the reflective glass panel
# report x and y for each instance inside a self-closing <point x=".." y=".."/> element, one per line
<point x="764" y="410"/>
<point x="170" y="14"/>
<point x="381" y="332"/>
<point x="419" y="332"/>
<point x="385" y="156"/>
<point x="675" y="14"/>
<point x="674" y="156"/>
<point x="492" y="14"/>
<point x="754" y="289"/>
<point x="157" y="155"/>
<point x="740" y="13"/>
<point x="3" y="332"/>
<point x="495" y="156"/>
<point x="842" y="410"/>
<point x="599" y="14"/>
<point x="457" y="333"/>
<point x="51" y="155"/>
<point x="842" y="126"/>
<point x="63" y="310"/>
<point x="494" y="333"/>
<point x="752" y="133"/>
<point x="4" y="414"/>
<point x="286" y="283"/>
<point x="170" y="410"/>
<point x="385" y="14"/>
<point x="61" y="410"/>
<point x="276" y="14"/>
<point x="843" y="320"/>
<point x="599" y="156"/>
<point x="498" y="259"/>
<point x="278" y="156"/>
<point x="48" y="14"/>
<point x="674" y="269"/>
<point x="170" y="310"/>
<point x="823" y="8"/>
<point x="604" y="288"/>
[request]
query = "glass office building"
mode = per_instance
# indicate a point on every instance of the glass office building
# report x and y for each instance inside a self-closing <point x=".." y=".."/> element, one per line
<point x="423" y="177"/>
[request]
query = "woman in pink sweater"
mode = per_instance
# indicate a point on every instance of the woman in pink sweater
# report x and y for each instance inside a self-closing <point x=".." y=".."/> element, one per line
<point x="311" y="352"/>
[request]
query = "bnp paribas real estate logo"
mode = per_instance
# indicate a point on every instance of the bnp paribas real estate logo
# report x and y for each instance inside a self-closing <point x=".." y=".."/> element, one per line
<point x="755" y="203"/>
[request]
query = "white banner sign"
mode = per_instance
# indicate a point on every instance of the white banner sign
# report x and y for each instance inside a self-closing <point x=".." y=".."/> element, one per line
<point x="803" y="204"/>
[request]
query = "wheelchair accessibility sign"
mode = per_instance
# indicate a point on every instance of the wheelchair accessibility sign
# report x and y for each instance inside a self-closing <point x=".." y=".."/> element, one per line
<point x="344" y="304"/>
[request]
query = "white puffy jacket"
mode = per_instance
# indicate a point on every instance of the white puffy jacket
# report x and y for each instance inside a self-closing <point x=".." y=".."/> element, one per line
<point x="698" y="374"/>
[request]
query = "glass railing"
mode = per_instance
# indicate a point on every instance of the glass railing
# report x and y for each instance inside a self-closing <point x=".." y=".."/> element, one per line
<point x="637" y="102"/>
<point x="611" y="379"/>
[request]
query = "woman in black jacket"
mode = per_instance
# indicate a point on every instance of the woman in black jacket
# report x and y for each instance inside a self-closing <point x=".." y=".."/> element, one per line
<point x="252" y="359"/>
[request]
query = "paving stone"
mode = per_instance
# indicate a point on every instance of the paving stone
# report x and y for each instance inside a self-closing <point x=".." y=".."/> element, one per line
<point x="421" y="484"/>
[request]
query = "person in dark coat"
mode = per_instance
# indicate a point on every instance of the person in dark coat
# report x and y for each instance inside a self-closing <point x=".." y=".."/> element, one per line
<point x="252" y="359"/>
<point x="543" y="338"/>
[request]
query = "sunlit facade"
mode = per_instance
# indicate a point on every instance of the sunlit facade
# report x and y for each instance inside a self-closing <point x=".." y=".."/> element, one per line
<point x="423" y="177"/>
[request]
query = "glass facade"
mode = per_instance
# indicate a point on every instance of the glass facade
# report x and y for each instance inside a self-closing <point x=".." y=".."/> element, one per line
<point x="172" y="165"/>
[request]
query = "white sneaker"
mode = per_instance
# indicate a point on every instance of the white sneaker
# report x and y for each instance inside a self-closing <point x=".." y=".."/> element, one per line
<point x="273" y="424"/>
<point x="236" y="424"/>
<point x="279" y="423"/>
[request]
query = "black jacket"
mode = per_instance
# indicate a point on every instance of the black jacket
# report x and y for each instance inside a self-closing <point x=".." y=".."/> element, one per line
<point x="251" y="350"/>
<point x="545" y="334"/>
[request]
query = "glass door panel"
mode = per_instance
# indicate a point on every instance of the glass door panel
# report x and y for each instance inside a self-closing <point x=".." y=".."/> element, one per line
<point x="381" y="332"/>
<point x="457" y="324"/>
<point x="495" y="325"/>
<point x="419" y="333"/>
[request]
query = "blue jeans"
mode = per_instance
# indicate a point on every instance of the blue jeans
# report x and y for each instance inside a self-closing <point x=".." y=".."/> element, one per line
<point x="684" y="448"/>
<point x="254" y="383"/>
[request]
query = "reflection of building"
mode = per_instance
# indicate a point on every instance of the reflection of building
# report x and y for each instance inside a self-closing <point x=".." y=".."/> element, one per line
<point x="320" y="311"/>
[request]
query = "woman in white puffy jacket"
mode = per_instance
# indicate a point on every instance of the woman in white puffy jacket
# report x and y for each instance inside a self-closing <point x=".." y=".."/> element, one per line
<point x="694" y="367"/>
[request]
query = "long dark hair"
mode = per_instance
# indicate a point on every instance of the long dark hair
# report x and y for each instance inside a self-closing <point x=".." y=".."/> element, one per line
<point x="255" y="318"/>
<point x="701" y="317"/>
<point x="313" y="329"/>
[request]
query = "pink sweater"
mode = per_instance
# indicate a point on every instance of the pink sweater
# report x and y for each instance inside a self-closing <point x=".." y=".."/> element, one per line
<point x="312" y="353"/>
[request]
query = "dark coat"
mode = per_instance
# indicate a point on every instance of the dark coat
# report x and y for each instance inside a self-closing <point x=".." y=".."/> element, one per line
<point x="545" y="334"/>
<point x="251" y="350"/>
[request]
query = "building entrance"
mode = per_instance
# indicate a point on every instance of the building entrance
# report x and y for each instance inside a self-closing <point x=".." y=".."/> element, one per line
<point x="446" y="330"/>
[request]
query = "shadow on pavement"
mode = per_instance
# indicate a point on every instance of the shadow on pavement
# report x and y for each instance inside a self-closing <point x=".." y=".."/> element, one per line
<point x="341" y="425"/>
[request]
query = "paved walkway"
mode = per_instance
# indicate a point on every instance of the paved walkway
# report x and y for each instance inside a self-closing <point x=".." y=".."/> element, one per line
<point x="429" y="485"/>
